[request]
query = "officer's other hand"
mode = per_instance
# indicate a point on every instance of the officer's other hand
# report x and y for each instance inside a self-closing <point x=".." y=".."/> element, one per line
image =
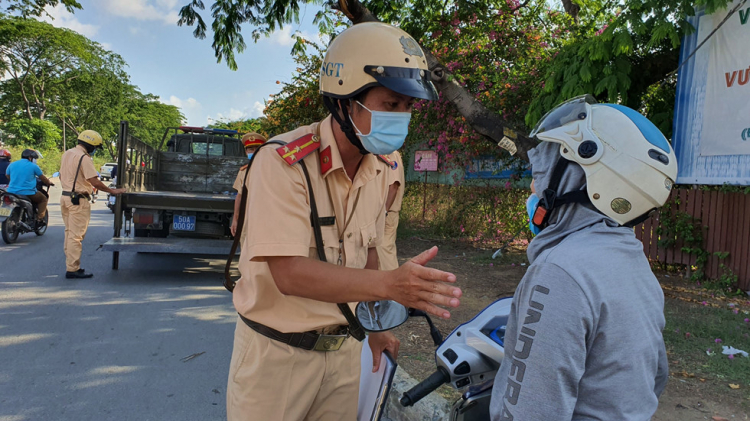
<point x="233" y="229"/>
<point x="379" y="342"/>
<point x="117" y="192"/>
<point x="417" y="286"/>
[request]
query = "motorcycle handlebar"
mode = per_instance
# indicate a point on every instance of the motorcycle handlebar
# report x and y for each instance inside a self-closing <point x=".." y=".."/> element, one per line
<point x="425" y="387"/>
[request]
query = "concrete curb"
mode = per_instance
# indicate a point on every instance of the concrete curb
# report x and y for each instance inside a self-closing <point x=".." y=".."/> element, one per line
<point x="432" y="408"/>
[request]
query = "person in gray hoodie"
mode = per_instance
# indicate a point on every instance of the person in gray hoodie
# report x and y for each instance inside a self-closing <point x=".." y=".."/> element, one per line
<point x="584" y="337"/>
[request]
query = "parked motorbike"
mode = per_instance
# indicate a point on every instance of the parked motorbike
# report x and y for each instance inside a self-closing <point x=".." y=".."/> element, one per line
<point x="467" y="360"/>
<point x="18" y="215"/>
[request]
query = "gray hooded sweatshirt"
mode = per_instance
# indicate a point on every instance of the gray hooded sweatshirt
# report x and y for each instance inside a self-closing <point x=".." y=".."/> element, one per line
<point x="584" y="338"/>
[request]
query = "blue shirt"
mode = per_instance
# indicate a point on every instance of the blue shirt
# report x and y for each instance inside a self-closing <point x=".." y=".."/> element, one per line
<point x="23" y="175"/>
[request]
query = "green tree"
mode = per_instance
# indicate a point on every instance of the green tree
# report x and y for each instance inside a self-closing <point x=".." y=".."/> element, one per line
<point x="149" y="117"/>
<point x="34" y="133"/>
<point x="27" y="8"/>
<point x="242" y="126"/>
<point x="299" y="101"/>
<point x="38" y="58"/>
<point x="617" y="51"/>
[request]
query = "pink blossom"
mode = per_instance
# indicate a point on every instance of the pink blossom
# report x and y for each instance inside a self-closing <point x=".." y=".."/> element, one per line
<point x="717" y="340"/>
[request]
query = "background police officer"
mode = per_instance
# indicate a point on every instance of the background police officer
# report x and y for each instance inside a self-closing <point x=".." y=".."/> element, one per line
<point x="251" y="141"/>
<point x="387" y="253"/>
<point x="78" y="178"/>
<point x="287" y="295"/>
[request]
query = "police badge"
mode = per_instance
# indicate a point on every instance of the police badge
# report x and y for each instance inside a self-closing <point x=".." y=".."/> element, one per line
<point x="411" y="47"/>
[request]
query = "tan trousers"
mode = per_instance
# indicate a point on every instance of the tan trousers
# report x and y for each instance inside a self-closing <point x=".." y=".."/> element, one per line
<point x="41" y="204"/>
<point x="272" y="381"/>
<point x="76" y="219"/>
<point x="387" y="254"/>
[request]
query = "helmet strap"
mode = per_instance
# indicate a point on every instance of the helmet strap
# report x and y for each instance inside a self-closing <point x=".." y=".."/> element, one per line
<point x="551" y="201"/>
<point x="338" y="107"/>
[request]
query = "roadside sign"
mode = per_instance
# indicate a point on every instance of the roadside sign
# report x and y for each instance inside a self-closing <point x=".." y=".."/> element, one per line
<point x="425" y="161"/>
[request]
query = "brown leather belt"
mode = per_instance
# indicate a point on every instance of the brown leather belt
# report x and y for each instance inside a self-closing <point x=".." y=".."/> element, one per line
<point x="310" y="341"/>
<point x="86" y="195"/>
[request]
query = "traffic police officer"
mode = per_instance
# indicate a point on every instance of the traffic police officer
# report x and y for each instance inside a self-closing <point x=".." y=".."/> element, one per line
<point x="78" y="178"/>
<point x="387" y="255"/>
<point x="251" y="141"/>
<point x="286" y="295"/>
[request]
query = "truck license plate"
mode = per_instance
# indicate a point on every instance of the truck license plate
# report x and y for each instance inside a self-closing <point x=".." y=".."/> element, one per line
<point x="183" y="223"/>
<point x="5" y="210"/>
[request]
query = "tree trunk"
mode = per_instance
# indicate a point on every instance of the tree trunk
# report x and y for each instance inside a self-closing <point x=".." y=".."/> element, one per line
<point x="486" y="122"/>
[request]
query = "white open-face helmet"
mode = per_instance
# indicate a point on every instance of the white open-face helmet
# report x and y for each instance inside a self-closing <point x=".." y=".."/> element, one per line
<point x="630" y="166"/>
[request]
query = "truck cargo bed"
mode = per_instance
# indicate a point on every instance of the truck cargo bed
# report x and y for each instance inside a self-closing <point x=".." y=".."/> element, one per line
<point x="193" y="201"/>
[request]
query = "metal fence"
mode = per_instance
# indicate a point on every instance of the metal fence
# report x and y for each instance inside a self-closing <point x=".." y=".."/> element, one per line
<point x="725" y="222"/>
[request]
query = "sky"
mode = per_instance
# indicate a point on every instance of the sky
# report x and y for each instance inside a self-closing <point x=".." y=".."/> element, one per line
<point x="166" y="60"/>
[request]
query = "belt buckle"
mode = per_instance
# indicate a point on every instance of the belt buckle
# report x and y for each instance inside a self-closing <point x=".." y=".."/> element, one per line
<point x="329" y="342"/>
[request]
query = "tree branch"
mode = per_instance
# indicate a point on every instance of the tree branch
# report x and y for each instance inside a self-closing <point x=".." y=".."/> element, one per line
<point x="486" y="122"/>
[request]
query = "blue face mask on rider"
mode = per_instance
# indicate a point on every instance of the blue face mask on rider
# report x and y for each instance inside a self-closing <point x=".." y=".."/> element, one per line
<point x="531" y="204"/>
<point x="388" y="131"/>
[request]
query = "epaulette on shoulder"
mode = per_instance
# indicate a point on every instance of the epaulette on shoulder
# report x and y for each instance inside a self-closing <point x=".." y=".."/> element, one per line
<point x="295" y="150"/>
<point x="391" y="163"/>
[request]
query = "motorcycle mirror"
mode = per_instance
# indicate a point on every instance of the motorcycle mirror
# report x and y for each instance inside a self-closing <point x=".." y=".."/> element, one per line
<point x="379" y="316"/>
<point x="55" y="175"/>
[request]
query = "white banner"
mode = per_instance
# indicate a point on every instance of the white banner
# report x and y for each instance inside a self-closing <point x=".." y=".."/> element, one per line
<point x="726" y="112"/>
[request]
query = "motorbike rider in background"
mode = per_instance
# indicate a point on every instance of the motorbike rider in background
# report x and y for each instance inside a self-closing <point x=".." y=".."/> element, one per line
<point x="4" y="162"/>
<point x="584" y="337"/>
<point x="22" y="176"/>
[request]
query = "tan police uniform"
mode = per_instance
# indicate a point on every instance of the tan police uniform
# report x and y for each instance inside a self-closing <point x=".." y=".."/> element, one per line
<point x="268" y="379"/>
<point x="238" y="186"/>
<point x="75" y="217"/>
<point x="387" y="254"/>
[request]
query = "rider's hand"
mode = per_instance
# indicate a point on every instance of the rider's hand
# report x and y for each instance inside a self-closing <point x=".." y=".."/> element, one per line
<point x="233" y="229"/>
<point x="117" y="192"/>
<point x="379" y="342"/>
<point x="416" y="286"/>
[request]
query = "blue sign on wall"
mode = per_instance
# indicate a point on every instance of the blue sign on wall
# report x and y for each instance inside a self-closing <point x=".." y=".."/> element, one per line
<point x="488" y="167"/>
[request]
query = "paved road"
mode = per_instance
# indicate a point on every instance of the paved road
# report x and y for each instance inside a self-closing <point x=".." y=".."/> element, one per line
<point x="110" y="347"/>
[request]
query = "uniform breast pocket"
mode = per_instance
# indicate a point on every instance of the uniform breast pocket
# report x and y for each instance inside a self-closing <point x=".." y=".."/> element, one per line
<point x="330" y="244"/>
<point x="367" y="240"/>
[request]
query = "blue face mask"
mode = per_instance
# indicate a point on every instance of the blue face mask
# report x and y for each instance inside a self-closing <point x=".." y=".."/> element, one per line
<point x="249" y="155"/>
<point x="531" y="204"/>
<point x="388" y="131"/>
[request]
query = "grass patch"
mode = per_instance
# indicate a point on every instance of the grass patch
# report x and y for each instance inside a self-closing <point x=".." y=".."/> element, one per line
<point x="691" y="330"/>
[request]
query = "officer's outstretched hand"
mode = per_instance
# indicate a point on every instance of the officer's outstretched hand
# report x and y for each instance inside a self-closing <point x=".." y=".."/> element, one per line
<point x="417" y="286"/>
<point x="118" y="191"/>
